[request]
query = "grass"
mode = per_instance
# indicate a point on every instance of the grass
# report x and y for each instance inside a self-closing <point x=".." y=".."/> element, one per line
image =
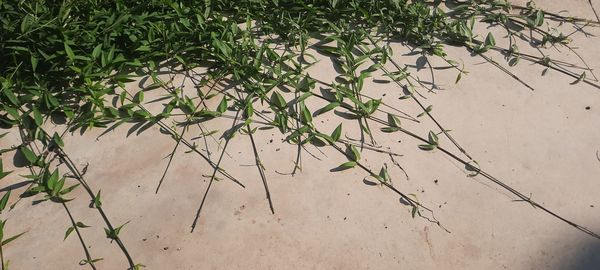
<point x="68" y="60"/>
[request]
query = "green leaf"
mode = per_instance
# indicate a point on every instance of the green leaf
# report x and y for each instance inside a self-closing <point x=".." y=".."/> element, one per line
<point x="123" y="97"/>
<point x="96" y="52"/>
<point x="114" y="234"/>
<point x="458" y="77"/>
<point x="324" y="136"/>
<point x="138" y="98"/>
<point x="58" y="140"/>
<point x="29" y="155"/>
<point x="52" y="180"/>
<point x="433" y="138"/>
<point x="383" y="173"/>
<point x="69" y="189"/>
<point x="306" y="84"/>
<point x="2" y="222"/>
<point x="37" y="116"/>
<point x="2" y="172"/>
<point x="222" y="105"/>
<point x="277" y="100"/>
<point x="347" y="165"/>
<point x="143" y="48"/>
<point x="34" y="63"/>
<point x="490" y="41"/>
<point x="249" y="110"/>
<point x="10" y="239"/>
<point x="69" y="231"/>
<point x="32" y="191"/>
<point x="390" y="129"/>
<point x="10" y="95"/>
<point x="327" y="108"/>
<point x="57" y="187"/>
<point x="354" y="153"/>
<point x="414" y="211"/>
<point x="69" y="51"/>
<point x="97" y="201"/>
<point x="80" y="224"/>
<point x="539" y="18"/>
<point x="427" y="110"/>
<point x="304" y="96"/>
<point x="306" y="115"/>
<point x="4" y="200"/>
<point x="393" y="121"/>
<point x="427" y="147"/>
<point x="337" y="133"/>
<point x="25" y="23"/>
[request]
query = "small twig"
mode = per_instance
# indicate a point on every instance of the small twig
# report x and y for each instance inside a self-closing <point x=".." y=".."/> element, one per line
<point x="212" y="177"/>
<point x="260" y="168"/>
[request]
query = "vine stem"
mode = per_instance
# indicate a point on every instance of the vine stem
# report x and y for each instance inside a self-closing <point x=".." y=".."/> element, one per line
<point x="79" y="176"/>
<point x="71" y="219"/>
<point x="212" y="177"/>
<point x="90" y="261"/>
<point x="479" y="171"/>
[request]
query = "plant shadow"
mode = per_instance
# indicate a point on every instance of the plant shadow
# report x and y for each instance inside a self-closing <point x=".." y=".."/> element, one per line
<point x="587" y="258"/>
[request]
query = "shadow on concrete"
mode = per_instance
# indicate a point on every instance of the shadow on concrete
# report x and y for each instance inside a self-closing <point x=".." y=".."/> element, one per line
<point x="587" y="257"/>
<point x="572" y="253"/>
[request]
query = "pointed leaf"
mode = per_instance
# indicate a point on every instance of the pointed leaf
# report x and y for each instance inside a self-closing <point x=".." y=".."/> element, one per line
<point x="337" y="133"/>
<point x="4" y="200"/>
<point x="10" y="239"/>
<point x="327" y="108"/>
<point x="347" y="165"/>
<point x="433" y="138"/>
<point x="97" y="201"/>
<point x="69" y="51"/>
<point x="355" y="154"/>
<point x="490" y="41"/>
<point x="29" y="155"/>
<point x="58" y="140"/>
<point x="277" y="100"/>
<point x="427" y="147"/>
<point x="393" y="121"/>
<point x="222" y="105"/>
<point x="69" y="231"/>
<point x="97" y="50"/>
